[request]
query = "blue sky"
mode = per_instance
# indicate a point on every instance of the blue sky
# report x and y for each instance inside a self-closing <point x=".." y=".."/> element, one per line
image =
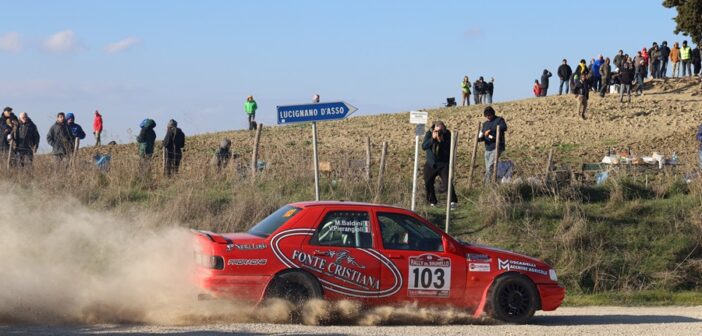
<point x="196" y="61"/>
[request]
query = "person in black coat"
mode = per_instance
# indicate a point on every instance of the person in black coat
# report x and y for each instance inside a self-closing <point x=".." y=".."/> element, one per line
<point x="544" y="82"/>
<point x="564" y="73"/>
<point x="61" y="139"/>
<point x="26" y="137"/>
<point x="488" y="135"/>
<point x="173" y="145"/>
<point x="437" y="145"/>
<point x="582" y="90"/>
<point x="626" y="77"/>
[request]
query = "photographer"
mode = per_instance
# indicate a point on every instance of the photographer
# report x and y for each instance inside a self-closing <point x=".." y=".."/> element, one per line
<point x="437" y="145"/>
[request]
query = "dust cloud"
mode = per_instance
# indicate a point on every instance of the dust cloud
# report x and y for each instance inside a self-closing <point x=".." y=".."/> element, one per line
<point x="63" y="263"/>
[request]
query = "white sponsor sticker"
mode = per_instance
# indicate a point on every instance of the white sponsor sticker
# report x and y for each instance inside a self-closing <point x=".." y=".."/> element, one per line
<point x="479" y="267"/>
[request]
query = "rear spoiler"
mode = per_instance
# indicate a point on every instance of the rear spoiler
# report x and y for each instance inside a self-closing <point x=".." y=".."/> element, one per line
<point x="213" y="237"/>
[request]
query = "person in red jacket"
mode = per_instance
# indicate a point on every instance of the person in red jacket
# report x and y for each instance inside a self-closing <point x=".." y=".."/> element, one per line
<point x="97" y="127"/>
<point x="537" y="88"/>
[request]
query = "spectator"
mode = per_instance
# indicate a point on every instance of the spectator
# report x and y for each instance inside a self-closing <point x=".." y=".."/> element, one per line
<point x="685" y="55"/>
<point x="437" y="145"/>
<point x="564" y="73"/>
<point x="675" y="59"/>
<point x="638" y="60"/>
<point x="645" y="55"/>
<point x="97" y="127"/>
<point x="544" y="82"/>
<point x="605" y="74"/>
<point x="61" y="139"/>
<point x="619" y="59"/>
<point x="664" y="53"/>
<point x="76" y="130"/>
<point x="639" y="76"/>
<point x="315" y="99"/>
<point x="626" y="76"/>
<point x="582" y="90"/>
<point x="696" y="60"/>
<point x="488" y="135"/>
<point x="699" y="138"/>
<point x="481" y="90"/>
<point x="465" y="88"/>
<point x="537" y="88"/>
<point x="173" y="144"/>
<point x="582" y="67"/>
<point x="146" y="139"/>
<point x="26" y="140"/>
<point x="597" y="78"/>
<point x="476" y="93"/>
<point x="7" y="122"/>
<point x="489" y="88"/>
<point x="222" y="155"/>
<point x="250" y="107"/>
<point x="654" y="60"/>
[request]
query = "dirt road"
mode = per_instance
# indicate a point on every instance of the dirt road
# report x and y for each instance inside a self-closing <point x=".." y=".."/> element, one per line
<point x="657" y="321"/>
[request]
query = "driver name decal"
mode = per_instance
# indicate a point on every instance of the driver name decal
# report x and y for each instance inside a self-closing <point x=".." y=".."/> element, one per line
<point x="429" y="275"/>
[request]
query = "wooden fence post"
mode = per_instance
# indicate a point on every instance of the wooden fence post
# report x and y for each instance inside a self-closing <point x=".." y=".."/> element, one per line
<point x="254" y="156"/>
<point x="473" y="156"/>
<point x="368" y="159"/>
<point x="548" y="165"/>
<point x="381" y="171"/>
<point x="497" y="154"/>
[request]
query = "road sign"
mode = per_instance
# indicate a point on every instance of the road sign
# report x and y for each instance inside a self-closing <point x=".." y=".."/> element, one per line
<point x="418" y="117"/>
<point x="314" y="112"/>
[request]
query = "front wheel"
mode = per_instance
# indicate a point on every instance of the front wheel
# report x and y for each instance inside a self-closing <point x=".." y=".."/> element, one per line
<point x="512" y="299"/>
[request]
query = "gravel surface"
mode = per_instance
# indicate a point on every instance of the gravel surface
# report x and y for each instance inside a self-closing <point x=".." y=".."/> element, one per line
<point x="638" y="321"/>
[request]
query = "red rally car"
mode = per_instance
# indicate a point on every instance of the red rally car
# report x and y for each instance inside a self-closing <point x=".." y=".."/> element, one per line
<point x="375" y="254"/>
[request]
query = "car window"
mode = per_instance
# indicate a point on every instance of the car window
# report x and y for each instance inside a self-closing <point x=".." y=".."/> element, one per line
<point x="344" y="228"/>
<point x="275" y="220"/>
<point x="402" y="232"/>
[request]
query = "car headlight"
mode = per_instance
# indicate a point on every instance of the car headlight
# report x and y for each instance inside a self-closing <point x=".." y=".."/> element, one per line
<point x="552" y="275"/>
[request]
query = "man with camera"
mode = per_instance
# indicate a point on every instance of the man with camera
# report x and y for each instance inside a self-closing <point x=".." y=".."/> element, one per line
<point x="437" y="145"/>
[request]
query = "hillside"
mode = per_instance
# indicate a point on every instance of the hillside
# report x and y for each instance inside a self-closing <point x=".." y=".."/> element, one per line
<point x="632" y="233"/>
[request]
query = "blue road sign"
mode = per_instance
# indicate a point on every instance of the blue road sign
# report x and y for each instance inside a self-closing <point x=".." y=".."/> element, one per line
<point x="314" y="112"/>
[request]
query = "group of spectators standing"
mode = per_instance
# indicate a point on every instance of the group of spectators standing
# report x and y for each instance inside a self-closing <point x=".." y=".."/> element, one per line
<point x="437" y="146"/>
<point x="173" y="144"/>
<point x="20" y="136"/>
<point x="482" y="91"/>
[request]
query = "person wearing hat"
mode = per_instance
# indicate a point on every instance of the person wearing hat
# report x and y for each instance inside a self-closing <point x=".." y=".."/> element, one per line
<point x="250" y="108"/>
<point x="26" y="139"/>
<point x="61" y="139"/>
<point x="437" y="145"/>
<point x="146" y="139"/>
<point x="173" y="144"/>
<point x="8" y="121"/>
<point x="488" y="135"/>
<point x="76" y="129"/>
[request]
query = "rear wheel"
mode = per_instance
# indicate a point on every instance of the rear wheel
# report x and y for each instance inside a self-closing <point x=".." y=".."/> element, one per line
<point x="296" y="287"/>
<point x="512" y="299"/>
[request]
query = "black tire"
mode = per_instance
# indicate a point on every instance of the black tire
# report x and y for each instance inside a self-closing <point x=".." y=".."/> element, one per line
<point x="295" y="286"/>
<point x="512" y="299"/>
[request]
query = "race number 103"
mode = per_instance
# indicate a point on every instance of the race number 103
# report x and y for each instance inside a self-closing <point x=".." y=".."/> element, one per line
<point x="429" y="275"/>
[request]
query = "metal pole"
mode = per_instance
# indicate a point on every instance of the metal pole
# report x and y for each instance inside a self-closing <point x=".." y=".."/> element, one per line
<point x="497" y="155"/>
<point x="316" y="161"/>
<point x="414" y="175"/>
<point x="454" y="140"/>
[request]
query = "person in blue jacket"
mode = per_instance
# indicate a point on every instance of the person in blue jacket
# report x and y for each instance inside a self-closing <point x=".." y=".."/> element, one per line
<point x="76" y="130"/>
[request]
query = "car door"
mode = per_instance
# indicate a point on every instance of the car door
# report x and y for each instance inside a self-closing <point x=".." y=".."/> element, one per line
<point x="338" y="255"/>
<point x="430" y="274"/>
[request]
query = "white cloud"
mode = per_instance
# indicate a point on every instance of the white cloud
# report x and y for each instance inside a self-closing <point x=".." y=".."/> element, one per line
<point x="122" y="45"/>
<point x="11" y="41"/>
<point x="63" y="41"/>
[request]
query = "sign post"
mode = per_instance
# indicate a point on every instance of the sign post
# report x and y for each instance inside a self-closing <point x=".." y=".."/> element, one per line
<point x="290" y="114"/>
<point x="418" y="118"/>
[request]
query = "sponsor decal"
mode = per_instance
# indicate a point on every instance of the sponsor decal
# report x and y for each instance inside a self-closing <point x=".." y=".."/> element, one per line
<point x="344" y="274"/>
<point x="516" y="265"/>
<point x="246" y="247"/>
<point x="479" y="267"/>
<point x="247" y="262"/>
<point x="478" y="257"/>
<point x="429" y="275"/>
<point x="339" y="268"/>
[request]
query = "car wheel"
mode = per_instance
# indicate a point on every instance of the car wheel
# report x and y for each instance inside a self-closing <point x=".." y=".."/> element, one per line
<point x="296" y="287"/>
<point x="512" y="299"/>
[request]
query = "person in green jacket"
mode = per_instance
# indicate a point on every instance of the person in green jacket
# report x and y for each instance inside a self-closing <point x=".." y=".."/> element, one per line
<point x="250" y="108"/>
<point x="465" y="87"/>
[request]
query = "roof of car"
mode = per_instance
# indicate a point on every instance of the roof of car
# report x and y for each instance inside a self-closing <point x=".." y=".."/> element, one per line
<point x="342" y="203"/>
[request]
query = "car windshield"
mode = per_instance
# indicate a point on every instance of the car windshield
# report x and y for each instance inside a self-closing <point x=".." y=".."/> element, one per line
<point x="271" y="223"/>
